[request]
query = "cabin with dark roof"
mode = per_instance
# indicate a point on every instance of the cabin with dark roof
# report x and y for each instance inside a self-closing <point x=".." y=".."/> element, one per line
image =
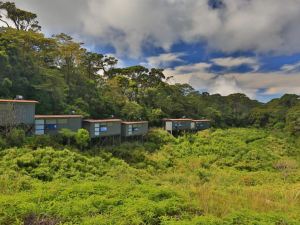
<point x="198" y="125"/>
<point x="134" y="128"/>
<point x="17" y="112"/>
<point x="52" y="124"/>
<point x="181" y="124"/>
<point x="103" y="127"/>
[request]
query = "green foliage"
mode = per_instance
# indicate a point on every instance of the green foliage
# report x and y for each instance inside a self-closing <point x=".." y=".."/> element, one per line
<point x="159" y="137"/>
<point x="39" y="141"/>
<point x="16" y="137"/>
<point x="2" y="143"/>
<point x="293" y="121"/>
<point x="67" y="134"/>
<point x="132" y="111"/>
<point x="82" y="138"/>
<point x="234" y="176"/>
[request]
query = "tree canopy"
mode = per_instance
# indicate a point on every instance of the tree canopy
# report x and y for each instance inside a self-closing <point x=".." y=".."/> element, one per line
<point x="64" y="77"/>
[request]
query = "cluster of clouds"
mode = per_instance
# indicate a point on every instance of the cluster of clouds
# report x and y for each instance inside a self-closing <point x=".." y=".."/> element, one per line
<point x="255" y="84"/>
<point x="241" y="25"/>
<point x="130" y="27"/>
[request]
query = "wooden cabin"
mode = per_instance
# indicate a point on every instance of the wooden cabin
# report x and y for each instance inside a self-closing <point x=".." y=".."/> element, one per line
<point x="17" y="112"/>
<point x="134" y="128"/>
<point x="103" y="127"/>
<point x="200" y="124"/>
<point x="52" y="124"/>
<point x="181" y="124"/>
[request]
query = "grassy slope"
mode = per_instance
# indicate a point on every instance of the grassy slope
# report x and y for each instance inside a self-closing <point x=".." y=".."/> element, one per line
<point x="235" y="176"/>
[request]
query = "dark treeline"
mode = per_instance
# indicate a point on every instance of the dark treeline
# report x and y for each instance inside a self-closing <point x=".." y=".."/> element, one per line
<point x="64" y="76"/>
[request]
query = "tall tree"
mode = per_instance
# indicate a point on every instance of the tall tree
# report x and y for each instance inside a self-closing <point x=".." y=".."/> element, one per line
<point x="21" y="19"/>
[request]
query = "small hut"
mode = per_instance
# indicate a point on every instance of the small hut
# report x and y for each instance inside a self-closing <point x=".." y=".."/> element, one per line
<point x="134" y="128"/>
<point x="17" y="112"/>
<point x="181" y="124"/>
<point x="52" y="124"/>
<point x="200" y="124"/>
<point x="103" y="127"/>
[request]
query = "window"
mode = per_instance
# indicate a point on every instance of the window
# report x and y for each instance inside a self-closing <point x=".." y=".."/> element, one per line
<point x="100" y="128"/>
<point x="97" y="132"/>
<point x="130" y="129"/>
<point x="39" y="127"/>
<point x="50" y="124"/>
<point x="103" y="128"/>
<point x="136" y="127"/>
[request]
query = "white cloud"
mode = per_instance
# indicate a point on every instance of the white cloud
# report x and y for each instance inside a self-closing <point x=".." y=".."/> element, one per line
<point x="249" y="83"/>
<point x="233" y="62"/>
<point x="261" y="26"/>
<point x="291" y="67"/>
<point x="163" y="60"/>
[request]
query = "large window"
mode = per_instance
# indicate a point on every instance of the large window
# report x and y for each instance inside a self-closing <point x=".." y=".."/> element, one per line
<point x="100" y="128"/>
<point x="50" y="124"/>
<point x="39" y="127"/>
<point x="134" y="128"/>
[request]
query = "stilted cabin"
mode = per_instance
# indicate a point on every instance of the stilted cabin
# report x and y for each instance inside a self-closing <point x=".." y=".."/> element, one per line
<point x="182" y="124"/>
<point x="17" y="112"/>
<point x="103" y="127"/>
<point x="134" y="128"/>
<point x="200" y="124"/>
<point x="52" y="124"/>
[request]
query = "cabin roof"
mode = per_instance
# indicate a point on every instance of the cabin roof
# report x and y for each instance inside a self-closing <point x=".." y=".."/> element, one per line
<point x="133" y="122"/>
<point x="17" y="101"/>
<point x="179" y="119"/>
<point x="202" y="120"/>
<point x="57" y="116"/>
<point x="102" y="120"/>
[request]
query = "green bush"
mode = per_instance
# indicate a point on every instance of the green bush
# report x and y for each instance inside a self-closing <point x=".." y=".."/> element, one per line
<point x="230" y="177"/>
<point x="16" y="137"/>
<point x="68" y="135"/>
<point x="3" y="143"/>
<point x="159" y="137"/>
<point x="82" y="138"/>
<point x="40" y="141"/>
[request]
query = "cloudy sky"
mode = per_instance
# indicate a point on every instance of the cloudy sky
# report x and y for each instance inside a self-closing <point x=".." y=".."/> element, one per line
<point x="219" y="46"/>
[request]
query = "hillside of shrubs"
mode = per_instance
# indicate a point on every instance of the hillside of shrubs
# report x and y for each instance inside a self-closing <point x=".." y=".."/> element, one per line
<point x="233" y="176"/>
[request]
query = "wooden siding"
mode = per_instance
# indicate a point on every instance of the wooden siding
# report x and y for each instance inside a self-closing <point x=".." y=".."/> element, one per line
<point x="16" y="113"/>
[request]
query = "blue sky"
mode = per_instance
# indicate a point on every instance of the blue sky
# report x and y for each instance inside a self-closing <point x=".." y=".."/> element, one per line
<point x="219" y="46"/>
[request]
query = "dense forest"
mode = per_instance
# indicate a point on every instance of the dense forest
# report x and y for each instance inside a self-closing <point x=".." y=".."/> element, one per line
<point x="242" y="171"/>
<point x="64" y="77"/>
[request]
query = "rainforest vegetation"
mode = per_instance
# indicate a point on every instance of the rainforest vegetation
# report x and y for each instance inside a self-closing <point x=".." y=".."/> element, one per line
<point x="244" y="170"/>
<point x="223" y="176"/>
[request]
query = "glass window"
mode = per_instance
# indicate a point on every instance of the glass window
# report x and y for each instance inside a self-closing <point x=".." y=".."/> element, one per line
<point x="50" y="126"/>
<point x="103" y="128"/>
